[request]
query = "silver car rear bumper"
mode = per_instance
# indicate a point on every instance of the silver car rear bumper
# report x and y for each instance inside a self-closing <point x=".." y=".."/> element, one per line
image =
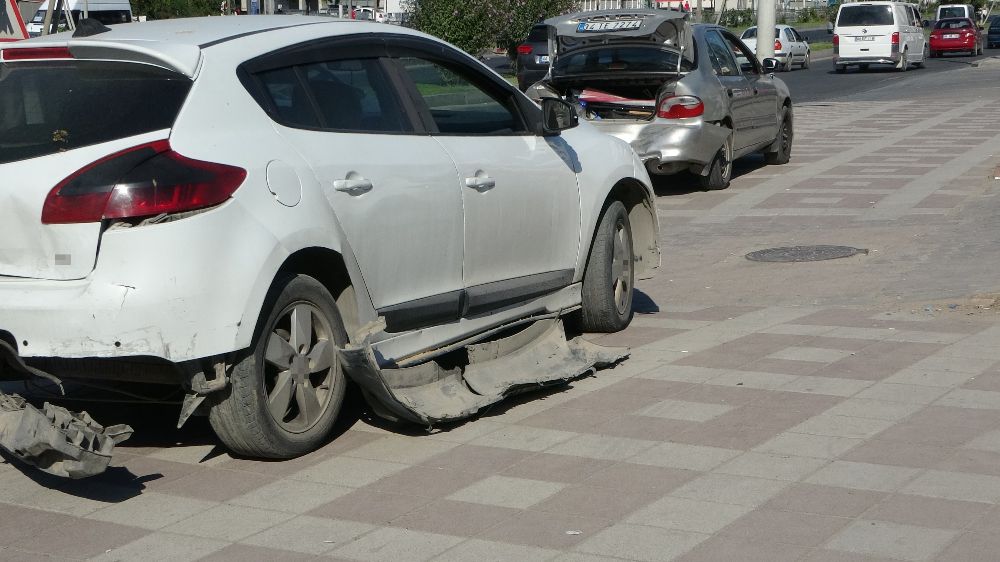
<point x="660" y="143"/>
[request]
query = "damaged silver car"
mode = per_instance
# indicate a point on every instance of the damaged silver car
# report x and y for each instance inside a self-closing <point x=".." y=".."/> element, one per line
<point x="677" y="92"/>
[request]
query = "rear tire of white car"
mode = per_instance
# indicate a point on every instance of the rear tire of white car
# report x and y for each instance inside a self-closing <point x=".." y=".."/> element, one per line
<point x="782" y="146"/>
<point x="805" y="63"/>
<point x="610" y="275"/>
<point x="721" y="170"/>
<point x="285" y="394"/>
<point x="927" y="55"/>
<point x="840" y="68"/>
<point x="904" y="64"/>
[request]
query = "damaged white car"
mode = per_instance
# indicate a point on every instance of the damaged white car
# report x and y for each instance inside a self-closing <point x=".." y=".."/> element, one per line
<point x="687" y="97"/>
<point x="261" y="209"/>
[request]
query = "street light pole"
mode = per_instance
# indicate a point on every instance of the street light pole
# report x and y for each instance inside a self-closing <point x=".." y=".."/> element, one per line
<point x="765" y="28"/>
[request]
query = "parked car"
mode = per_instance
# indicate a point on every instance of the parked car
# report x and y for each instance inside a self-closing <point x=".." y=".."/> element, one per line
<point x="993" y="34"/>
<point x="789" y="47"/>
<point x="367" y="203"/>
<point x="869" y="33"/>
<point x="675" y="91"/>
<point x="953" y="35"/>
<point x="533" y="57"/>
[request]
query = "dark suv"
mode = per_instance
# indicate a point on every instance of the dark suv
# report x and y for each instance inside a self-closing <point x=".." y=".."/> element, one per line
<point x="993" y="33"/>
<point x="533" y="57"/>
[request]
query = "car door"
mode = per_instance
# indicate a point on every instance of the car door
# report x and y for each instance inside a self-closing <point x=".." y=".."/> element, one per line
<point x="394" y="192"/>
<point x="798" y="45"/>
<point x="519" y="189"/>
<point x="736" y="87"/>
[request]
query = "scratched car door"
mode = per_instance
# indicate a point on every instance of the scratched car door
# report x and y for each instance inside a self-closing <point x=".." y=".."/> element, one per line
<point x="736" y="87"/>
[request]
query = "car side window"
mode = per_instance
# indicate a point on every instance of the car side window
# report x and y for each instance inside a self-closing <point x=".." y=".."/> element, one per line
<point x="290" y="103"/>
<point x="722" y="57"/>
<point x="748" y="60"/>
<point x="354" y="95"/>
<point x="457" y="103"/>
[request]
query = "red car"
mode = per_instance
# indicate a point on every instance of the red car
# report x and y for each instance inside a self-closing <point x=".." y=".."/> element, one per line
<point x="956" y="34"/>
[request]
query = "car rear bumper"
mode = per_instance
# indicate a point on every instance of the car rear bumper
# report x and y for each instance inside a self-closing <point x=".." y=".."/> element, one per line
<point x="843" y="61"/>
<point x="953" y="44"/>
<point x="176" y="291"/>
<point x="688" y="141"/>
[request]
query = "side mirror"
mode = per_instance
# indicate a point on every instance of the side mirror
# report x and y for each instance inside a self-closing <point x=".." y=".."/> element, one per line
<point x="925" y="23"/>
<point x="557" y="115"/>
<point x="769" y="64"/>
<point x="829" y="28"/>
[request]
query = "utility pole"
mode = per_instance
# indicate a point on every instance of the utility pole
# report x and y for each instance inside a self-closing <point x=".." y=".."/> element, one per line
<point x="765" y="29"/>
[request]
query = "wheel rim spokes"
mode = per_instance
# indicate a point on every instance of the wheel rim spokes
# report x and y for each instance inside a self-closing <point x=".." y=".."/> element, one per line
<point x="621" y="269"/>
<point x="299" y="367"/>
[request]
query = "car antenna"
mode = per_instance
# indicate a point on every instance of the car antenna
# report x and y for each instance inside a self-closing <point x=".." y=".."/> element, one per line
<point x="89" y="26"/>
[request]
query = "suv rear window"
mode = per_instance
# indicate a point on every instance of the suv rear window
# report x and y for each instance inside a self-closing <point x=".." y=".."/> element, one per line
<point x="865" y="15"/>
<point x="54" y="106"/>
<point x="612" y="60"/>
<point x="953" y="24"/>
<point x="953" y="12"/>
<point x="538" y="34"/>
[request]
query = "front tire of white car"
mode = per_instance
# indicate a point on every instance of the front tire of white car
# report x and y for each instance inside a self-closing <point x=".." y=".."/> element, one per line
<point x="610" y="275"/>
<point x="285" y="394"/>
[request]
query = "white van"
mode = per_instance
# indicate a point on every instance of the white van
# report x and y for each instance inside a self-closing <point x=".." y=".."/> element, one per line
<point x="869" y="33"/>
<point x="956" y="11"/>
<point x="105" y="11"/>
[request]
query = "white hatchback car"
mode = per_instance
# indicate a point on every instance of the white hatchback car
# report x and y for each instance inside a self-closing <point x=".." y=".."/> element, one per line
<point x="790" y="48"/>
<point x="258" y="209"/>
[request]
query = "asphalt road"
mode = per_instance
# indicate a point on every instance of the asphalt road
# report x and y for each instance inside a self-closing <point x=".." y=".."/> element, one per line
<point x="821" y="83"/>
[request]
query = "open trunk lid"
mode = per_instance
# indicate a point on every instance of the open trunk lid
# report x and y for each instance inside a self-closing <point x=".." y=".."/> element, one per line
<point x="58" y="117"/>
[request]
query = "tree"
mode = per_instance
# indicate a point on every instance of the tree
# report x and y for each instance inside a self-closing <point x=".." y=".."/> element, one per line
<point x="478" y="25"/>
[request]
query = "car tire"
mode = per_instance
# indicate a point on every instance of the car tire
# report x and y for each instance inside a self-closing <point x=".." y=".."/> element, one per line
<point x="840" y="68"/>
<point x="721" y="168"/>
<point x="935" y="54"/>
<point x="783" y="143"/>
<point x="904" y="64"/>
<point x="805" y="63"/>
<point x="610" y="275"/>
<point x="788" y="65"/>
<point x="925" y="57"/>
<point x="275" y="412"/>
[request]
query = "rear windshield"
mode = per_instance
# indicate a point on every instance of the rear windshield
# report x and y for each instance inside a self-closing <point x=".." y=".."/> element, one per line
<point x="953" y="24"/>
<point x="953" y="12"/>
<point x="538" y="34"/>
<point x="54" y="106"/>
<point x="865" y="15"/>
<point x="612" y="60"/>
<point x="752" y="33"/>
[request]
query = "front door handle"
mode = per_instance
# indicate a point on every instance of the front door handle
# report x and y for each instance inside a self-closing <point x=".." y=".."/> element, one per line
<point x="480" y="182"/>
<point x="353" y="186"/>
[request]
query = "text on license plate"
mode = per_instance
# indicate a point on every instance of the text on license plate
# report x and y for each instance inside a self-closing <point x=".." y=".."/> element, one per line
<point x="597" y="26"/>
<point x="865" y="38"/>
<point x="542" y="59"/>
<point x="950" y="36"/>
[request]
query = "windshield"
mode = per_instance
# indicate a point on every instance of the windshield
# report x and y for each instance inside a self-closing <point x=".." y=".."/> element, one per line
<point x="619" y="59"/>
<point x="953" y="24"/>
<point x="953" y="12"/>
<point x="55" y="106"/>
<point x="864" y="15"/>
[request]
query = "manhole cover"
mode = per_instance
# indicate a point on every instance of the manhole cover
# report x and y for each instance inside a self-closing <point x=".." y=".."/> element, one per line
<point x="804" y="253"/>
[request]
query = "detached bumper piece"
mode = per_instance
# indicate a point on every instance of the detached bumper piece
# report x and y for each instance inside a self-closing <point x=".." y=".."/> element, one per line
<point x="537" y="356"/>
<point x="55" y="440"/>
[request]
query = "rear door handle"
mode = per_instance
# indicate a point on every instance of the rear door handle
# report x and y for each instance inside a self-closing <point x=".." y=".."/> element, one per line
<point x="480" y="182"/>
<point x="353" y="186"/>
<point x="729" y="91"/>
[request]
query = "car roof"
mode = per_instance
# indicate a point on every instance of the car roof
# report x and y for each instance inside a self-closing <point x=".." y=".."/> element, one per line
<point x="177" y="44"/>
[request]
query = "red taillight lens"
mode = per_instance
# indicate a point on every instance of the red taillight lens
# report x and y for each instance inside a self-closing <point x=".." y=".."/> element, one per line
<point x="143" y="181"/>
<point x="836" y="40"/>
<point x="524" y="49"/>
<point x="895" y="38"/>
<point x="680" y="107"/>
<point x="777" y="45"/>
<point x="36" y="53"/>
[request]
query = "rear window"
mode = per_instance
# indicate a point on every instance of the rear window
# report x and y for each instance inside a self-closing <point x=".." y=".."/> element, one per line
<point x="865" y="15"/>
<point x="538" y="34"/>
<point x="54" y="106"/>
<point x="953" y="12"/>
<point x="953" y="24"/>
<point x="612" y="60"/>
<point x="752" y="33"/>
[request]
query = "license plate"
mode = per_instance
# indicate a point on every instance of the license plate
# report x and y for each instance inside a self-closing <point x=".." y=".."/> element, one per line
<point x="865" y="38"/>
<point x="950" y="36"/>
<point x="542" y="59"/>
<point x="599" y="26"/>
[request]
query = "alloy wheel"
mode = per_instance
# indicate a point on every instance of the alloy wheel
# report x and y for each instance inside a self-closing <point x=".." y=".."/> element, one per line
<point x="621" y="267"/>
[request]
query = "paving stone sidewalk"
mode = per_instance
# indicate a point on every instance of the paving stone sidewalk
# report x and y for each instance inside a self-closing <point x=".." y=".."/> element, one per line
<point x="739" y="429"/>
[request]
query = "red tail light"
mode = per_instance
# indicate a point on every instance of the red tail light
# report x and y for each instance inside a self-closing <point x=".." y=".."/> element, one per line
<point x="143" y="181"/>
<point x="836" y="40"/>
<point x="895" y="38"/>
<point x="524" y="49"/>
<point x="777" y="45"/>
<point x="36" y="53"/>
<point x="680" y="107"/>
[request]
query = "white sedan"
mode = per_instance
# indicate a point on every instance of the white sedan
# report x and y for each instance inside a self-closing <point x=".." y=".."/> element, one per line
<point x="789" y="47"/>
<point x="259" y="209"/>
